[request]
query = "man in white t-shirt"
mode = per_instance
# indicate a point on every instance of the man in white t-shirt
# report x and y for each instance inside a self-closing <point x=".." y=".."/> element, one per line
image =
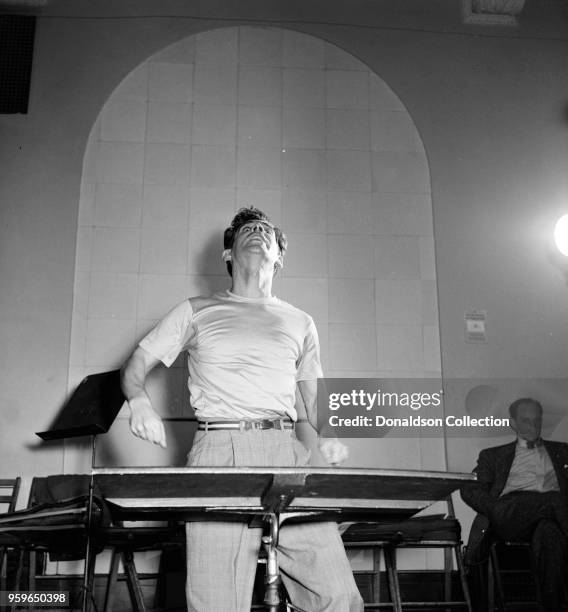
<point x="248" y="351"/>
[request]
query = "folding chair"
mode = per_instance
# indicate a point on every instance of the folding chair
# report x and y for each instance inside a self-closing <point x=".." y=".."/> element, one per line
<point x="511" y="576"/>
<point x="9" y="489"/>
<point x="445" y="533"/>
<point x="436" y="531"/>
<point x="125" y="541"/>
<point x="362" y="536"/>
<point x="50" y="526"/>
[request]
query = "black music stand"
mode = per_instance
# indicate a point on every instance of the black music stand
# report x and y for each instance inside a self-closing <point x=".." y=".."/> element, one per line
<point x="90" y="411"/>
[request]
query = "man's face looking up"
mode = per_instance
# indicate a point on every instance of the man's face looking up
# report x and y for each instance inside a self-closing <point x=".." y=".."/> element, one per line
<point x="257" y="237"/>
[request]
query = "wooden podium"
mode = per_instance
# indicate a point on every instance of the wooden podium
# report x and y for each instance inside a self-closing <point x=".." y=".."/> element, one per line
<point x="273" y="495"/>
<point x="150" y="492"/>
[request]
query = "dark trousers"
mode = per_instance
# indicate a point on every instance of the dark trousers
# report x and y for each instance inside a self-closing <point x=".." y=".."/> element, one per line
<point x="542" y="520"/>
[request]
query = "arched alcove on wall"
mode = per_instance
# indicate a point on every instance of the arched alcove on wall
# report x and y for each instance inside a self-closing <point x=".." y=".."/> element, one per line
<point x="301" y="129"/>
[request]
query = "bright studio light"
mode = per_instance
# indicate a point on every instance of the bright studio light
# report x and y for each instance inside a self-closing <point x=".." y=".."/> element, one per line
<point x="561" y="234"/>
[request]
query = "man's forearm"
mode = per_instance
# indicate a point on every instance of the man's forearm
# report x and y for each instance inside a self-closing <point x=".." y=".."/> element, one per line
<point x="145" y="423"/>
<point x="133" y="379"/>
<point x="477" y="494"/>
<point x="332" y="450"/>
<point x="309" y="393"/>
<point x="477" y="497"/>
<point x="132" y="385"/>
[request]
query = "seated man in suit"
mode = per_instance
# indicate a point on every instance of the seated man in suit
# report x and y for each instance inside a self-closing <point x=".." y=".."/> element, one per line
<point x="521" y="493"/>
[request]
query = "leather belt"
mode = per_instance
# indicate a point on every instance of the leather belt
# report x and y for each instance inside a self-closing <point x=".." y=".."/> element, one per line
<point x="246" y="425"/>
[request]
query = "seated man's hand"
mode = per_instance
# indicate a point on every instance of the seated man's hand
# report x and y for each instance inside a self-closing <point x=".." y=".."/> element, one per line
<point x="333" y="451"/>
<point x="146" y="424"/>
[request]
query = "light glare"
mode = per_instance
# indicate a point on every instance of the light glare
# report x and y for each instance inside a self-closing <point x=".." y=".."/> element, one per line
<point x="561" y="234"/>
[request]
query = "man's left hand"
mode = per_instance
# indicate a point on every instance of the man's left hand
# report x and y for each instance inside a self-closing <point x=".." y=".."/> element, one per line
<point x="333" y="451"/>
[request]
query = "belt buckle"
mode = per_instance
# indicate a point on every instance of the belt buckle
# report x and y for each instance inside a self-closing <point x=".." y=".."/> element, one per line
<point x="266" y="424"/>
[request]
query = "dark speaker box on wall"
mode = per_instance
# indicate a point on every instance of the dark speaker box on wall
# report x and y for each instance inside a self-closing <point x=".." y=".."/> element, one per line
<point x="16" y="54"/>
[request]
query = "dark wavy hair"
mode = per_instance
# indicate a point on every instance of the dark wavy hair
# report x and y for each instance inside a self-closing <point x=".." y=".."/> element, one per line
<point x="514" y="407"/>
<point x="244" y="215"/>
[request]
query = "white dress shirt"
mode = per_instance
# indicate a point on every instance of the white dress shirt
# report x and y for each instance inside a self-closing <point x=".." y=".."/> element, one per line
<point x="532" y="470"/>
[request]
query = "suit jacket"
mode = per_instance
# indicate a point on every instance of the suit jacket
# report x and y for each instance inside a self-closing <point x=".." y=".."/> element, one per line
<point x="493" y="467"/>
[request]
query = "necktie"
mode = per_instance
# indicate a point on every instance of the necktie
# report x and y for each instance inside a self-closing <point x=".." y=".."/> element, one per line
<point x="534" y="443"/>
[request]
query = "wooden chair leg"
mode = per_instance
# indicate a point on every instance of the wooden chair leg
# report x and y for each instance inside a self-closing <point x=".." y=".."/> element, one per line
<point x="463" y="578"/>
<point x="496" y="579"/>
<point x="392" y="575"/>
<point x="32" y="560"/>
<point x="90" y="596"/>
<point x="159" y="591"/>
<point x="32" y="571"/>
<point x="132" y="581"/>
<point x="3" y="568"/>
<point x="19" y="571"/>
<point x="447" y="576"/>
<point x="376" y="584"/>
<point x="112" y="581"/>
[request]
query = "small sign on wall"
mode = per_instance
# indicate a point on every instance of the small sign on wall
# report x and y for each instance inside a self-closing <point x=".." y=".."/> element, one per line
<point x="475" y="330"/>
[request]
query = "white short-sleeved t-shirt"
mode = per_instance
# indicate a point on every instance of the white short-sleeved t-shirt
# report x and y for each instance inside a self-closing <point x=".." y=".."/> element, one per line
<point x="245" y="354"/>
